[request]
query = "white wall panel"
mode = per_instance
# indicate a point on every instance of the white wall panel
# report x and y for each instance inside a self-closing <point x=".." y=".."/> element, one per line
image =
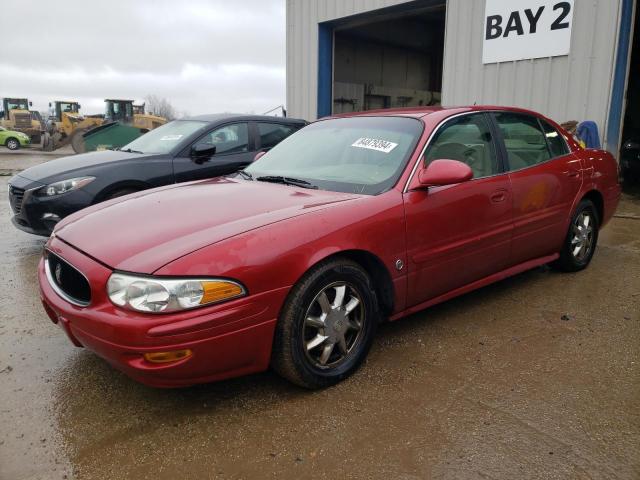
<point x="574" y="87"/>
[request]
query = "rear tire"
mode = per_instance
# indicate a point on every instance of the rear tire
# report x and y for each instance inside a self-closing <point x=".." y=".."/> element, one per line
<point x="581" y="240"/>
<point x="12" y="144"/>
<point x="326" y="326"/>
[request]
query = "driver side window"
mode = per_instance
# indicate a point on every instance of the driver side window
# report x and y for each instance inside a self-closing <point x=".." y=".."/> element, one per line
<point x="228" y="139"/>
<point x="467" y="139"/>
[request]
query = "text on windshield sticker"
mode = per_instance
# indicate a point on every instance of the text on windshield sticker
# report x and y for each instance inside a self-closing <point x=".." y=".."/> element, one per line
<point x="375" y="144"/>
<point x="171" y="138"/>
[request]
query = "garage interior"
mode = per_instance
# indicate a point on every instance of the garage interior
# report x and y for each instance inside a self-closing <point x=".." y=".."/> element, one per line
<point x="389" y="61"/>
<point x="631" y="122"/>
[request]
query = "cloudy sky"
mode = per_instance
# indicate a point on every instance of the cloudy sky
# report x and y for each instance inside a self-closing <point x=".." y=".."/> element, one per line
<point x="204" y="56"/>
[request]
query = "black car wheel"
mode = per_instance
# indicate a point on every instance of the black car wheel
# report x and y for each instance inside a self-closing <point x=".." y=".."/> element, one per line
<point x="327" y="325"/>
<point x="581" y="240"/>
<point x="12" y="144"/>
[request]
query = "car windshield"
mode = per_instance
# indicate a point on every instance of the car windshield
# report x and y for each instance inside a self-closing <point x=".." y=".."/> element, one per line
<point x="163" y="139"/>
<point x="18" y="104"/>
<point x="363" y="155"/>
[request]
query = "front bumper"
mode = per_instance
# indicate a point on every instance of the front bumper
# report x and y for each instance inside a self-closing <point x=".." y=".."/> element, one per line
<point x="38" y="215"/>
<point x="227" y="340"/>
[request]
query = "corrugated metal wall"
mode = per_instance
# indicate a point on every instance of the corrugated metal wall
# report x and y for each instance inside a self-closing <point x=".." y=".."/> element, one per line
<point x="574" y="87"/>
<point x="577" y="86"/>
<point x="303" y="17"/>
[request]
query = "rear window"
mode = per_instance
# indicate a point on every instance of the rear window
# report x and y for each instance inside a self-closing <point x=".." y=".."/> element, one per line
<point x="557" y="144"/>
<point x="524" y="140"/>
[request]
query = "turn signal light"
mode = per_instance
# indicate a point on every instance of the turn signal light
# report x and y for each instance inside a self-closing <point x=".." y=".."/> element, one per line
<point x="166" y="357"/>
<point x="219" y="290"/>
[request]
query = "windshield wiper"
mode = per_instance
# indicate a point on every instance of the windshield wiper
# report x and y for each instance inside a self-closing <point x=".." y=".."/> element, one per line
<point x="296" y="182"/>
<point x="128" y="150"/>
<point x="246" y="175"/>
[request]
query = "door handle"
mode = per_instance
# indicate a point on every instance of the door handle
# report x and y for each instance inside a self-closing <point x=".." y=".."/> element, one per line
<point x="499" y="196"/>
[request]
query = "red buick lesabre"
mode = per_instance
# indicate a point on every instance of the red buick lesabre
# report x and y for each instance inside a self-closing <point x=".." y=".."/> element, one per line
<point x="294" y="261"/>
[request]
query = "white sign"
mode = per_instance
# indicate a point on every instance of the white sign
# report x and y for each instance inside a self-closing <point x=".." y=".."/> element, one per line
<point x="375" y="144"/>
<point x="523" y="29"/>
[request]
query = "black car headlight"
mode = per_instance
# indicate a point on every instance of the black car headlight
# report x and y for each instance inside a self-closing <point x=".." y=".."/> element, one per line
<point x="64" y="186"/>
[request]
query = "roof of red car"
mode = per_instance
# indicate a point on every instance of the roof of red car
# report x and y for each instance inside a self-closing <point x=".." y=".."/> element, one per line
<point x="419" y="112"/>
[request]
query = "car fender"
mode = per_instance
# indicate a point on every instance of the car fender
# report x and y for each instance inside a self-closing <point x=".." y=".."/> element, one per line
<point x="278" y="255"/>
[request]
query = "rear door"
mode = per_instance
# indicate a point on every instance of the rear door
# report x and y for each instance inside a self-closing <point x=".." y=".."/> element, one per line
<point x="235" y="149"/>
<point x="545" y="177"/>
<point x="457" y="234"/>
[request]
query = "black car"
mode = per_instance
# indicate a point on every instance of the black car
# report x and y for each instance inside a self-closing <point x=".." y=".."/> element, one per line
<point x="630" y="161"/>
<point x="188" y="149"/>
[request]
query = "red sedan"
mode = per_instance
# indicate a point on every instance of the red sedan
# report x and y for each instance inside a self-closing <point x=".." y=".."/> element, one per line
<point x="294" y="261"/>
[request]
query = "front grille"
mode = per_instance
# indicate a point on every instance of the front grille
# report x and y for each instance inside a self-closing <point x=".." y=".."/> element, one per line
<point x="22" y="120"/>
<point x="15" y="198"/>
<point x="67" y="281"/>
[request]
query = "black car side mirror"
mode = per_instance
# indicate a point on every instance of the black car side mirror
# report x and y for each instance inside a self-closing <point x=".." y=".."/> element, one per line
<point x="202" y="153"/>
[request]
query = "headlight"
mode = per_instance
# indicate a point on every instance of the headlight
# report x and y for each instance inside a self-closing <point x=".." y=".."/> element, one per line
<point x="64" y="186"/>
<point x="157" y="295"/>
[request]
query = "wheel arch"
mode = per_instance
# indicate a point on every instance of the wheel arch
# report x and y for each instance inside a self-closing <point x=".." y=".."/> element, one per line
<point x="598" y="200"/>
<point x="6" y="142"/>
<point x="114" y="187"/>
<point x="375" y="268"/>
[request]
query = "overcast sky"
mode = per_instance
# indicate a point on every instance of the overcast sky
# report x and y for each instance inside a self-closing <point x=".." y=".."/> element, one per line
<point x="204" y="56"/>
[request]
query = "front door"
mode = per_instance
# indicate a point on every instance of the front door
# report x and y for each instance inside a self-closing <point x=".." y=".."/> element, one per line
<point x="545" y="177"/>
<point x="234" y="151"/>
<point x="457" y="234"/>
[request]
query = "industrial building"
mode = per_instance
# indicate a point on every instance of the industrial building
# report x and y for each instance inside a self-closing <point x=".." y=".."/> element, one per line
<point x="570" y="60"/>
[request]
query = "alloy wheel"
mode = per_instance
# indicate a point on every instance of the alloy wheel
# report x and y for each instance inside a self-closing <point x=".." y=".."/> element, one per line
<point x="582" y="238"/>
<point x="333" y="325"/>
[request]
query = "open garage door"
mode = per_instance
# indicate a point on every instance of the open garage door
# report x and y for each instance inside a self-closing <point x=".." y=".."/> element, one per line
<point x="630" y="151"/>
<point x="389" y="60"/>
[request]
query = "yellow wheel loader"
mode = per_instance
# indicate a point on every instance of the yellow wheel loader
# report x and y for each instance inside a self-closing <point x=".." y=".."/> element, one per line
<point x="65" y="121"/>
<point x="122" y="124"/>
<point x="15" y="115"/>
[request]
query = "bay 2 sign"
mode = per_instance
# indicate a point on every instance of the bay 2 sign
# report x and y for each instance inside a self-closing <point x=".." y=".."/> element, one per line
<point x="522" y="29"/>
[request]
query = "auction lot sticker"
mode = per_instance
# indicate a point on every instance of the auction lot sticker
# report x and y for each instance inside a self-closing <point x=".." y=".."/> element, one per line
<point x="374" y="144"/>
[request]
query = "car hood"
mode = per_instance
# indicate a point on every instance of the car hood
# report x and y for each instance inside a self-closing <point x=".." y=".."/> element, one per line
<point x="63" y="167"/>
<point x="144" y="231"/>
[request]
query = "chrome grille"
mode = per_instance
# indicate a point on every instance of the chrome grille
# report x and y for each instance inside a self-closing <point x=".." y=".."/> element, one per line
<point x="16" y="196"/>
<point x="67" y="281"/>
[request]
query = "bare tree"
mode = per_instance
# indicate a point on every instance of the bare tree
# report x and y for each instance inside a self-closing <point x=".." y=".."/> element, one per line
<point x="159" y="106"/>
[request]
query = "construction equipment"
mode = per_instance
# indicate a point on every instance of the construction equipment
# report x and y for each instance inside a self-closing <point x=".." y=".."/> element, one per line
<point x="65" y="122"/>
<point x="15" y="115"/>
<point x="123" y="123"/>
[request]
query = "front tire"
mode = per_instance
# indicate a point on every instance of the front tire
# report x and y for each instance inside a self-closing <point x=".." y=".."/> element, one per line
<point x="326" y="326"/>
<point x="581" y="240"/>
<point x="12" y="144"/>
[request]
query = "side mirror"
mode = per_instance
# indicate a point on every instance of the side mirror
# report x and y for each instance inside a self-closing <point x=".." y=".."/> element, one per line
<point x="31" y="104"/>
<point x="259" y="155"/>
<point x="444" y="172"/>
<point x="202" y="153"/>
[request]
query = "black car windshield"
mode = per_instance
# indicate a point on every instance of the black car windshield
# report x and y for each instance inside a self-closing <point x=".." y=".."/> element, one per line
<point x="163" y="139"/>
<point x="353" y="155"/>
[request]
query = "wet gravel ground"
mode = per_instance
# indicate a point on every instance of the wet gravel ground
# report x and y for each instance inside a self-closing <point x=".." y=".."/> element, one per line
<point x="534" y="377"/>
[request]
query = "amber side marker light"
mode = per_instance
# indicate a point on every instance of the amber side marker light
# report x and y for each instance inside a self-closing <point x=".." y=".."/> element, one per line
<point x="166" y="357"/>
<point x="220" y="290"/>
